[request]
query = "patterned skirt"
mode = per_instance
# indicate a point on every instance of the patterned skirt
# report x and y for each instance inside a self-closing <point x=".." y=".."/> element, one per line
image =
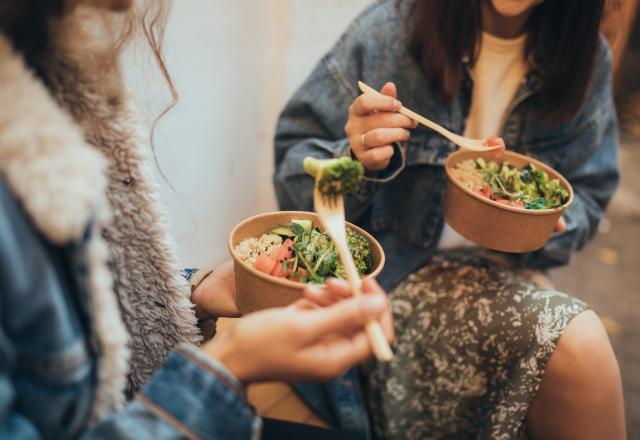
<point x="472" y="343"/>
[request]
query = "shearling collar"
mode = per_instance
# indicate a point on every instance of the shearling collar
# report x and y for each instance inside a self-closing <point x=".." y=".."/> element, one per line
<point x="44" y="157"/>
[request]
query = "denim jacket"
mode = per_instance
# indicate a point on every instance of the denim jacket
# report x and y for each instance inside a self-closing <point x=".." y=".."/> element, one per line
<point x="403" y="208"/>
<point x="48" y="356"/>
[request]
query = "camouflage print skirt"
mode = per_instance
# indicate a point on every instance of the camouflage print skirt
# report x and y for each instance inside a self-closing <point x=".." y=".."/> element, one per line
<point x="472" y="343"/>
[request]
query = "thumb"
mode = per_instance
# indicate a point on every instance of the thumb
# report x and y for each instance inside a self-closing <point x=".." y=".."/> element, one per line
<point x="389" y="89"/>
<point x="344" y="316"/>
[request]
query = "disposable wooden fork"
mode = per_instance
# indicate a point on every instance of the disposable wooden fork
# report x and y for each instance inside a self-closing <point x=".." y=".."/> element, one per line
<point x="331" y="213"/>
<point x="461" y="141"/>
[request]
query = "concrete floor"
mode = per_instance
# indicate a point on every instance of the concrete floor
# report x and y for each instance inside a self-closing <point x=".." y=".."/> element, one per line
<point x="606" y="274"/>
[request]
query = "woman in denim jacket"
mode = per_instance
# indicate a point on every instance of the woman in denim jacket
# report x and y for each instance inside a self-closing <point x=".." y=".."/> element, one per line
<point x="93" y="310"/>
<point x="481" y="350"/>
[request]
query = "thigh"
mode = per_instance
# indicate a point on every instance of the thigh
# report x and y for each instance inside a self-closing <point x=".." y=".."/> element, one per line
<point x="472" y="341"/>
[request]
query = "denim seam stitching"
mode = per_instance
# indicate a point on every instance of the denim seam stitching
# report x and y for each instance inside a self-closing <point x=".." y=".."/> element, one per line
<point x="170" y="418"/>
<point x="212" y="370"/>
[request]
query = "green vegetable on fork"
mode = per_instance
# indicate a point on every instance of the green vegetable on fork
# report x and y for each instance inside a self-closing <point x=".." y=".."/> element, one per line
<point x="334" y="177"/>
<point x="337" y="176"/>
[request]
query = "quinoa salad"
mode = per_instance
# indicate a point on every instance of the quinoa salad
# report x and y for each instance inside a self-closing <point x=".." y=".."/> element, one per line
<point x="299" y="251"/>
<point x="527" y="188"/>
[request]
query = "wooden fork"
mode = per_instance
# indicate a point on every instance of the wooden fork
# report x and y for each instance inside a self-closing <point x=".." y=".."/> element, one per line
<point x="331" y="213"/>
<point x="461" y="141"/>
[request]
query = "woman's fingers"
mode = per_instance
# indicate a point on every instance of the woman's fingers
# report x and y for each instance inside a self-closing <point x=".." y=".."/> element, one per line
<point x="376" y="159"/>
<point x="306" y="304"/>
<point x="385" y="136"/>
<point x="330" y="359"/>
<point x="325" y="296"/>
<point x="389" y="89"/>
<point x="371" y="287"/>
<point x="344" y="316"/>
<point x="339" y="287"/>
<point x="319" y="295"/>
<point x="374" y="125"/>
<point x="386" y="120"/>
<point x="370" y="103"/>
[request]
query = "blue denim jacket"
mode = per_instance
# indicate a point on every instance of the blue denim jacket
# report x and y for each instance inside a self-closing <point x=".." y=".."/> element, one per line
<point x="404" y="209"/>
<point x="48" y="357"/>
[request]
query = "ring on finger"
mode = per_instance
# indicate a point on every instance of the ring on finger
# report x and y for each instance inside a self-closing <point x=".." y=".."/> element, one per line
<point x="363" y="140"/>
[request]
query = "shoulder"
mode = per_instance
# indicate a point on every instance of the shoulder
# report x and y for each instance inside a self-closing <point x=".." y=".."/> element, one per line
<point x="380" y="25"/>
<point x="379" y="17"/>
<point x="598" y="107"/>
<point x="600" y="90"/>
<point x="374" y="48"/>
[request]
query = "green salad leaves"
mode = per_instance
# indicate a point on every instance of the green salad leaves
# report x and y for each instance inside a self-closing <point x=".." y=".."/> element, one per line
<point x="315" y="256"/>
<point x="530" y="187"/>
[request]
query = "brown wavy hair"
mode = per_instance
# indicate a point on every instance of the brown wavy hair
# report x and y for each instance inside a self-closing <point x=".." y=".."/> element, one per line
<point x="562" y="44"/>
<point x="29" y="25"/>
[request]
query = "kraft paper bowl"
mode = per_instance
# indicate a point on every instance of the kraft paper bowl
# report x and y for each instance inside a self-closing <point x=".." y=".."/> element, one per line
<point x="256" y="290"/>
<point x="494" y="225"/>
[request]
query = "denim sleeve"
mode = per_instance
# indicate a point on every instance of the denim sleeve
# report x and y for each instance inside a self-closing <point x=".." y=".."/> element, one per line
<point x="13" y="424"/>
<point x="594" y="179"/>
<point x="312" y="124"/>
<point x="191" y="396"/>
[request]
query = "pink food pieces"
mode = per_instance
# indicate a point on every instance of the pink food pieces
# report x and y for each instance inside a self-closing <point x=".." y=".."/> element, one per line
<point x="265" y="264"/>
<point x="272" y="263"/>
<point x="495" y="141"/>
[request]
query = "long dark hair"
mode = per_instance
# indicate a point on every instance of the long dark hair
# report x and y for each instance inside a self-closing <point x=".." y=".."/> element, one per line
<point x="27" y="23"/>
<point x="561" y="45"/>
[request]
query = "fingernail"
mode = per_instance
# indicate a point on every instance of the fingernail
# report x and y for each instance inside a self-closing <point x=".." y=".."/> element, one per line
<point x="373" y="305"/>
<point x="339" y="281"/>
<point x="315" y="290"/>
<point x="397" y="103"/>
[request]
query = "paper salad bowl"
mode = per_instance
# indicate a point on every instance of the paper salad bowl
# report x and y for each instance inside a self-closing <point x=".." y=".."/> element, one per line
<point x="256" y="290"/>
<point x="494" y="225"/>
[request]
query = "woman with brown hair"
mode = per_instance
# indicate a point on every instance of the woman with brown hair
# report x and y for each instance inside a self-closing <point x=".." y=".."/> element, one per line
<point x="482" y="351"/>
<point x="93" y="310"/>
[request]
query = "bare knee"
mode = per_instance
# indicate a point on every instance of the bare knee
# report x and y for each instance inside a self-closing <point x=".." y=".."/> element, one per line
<point x="581" y="392"/>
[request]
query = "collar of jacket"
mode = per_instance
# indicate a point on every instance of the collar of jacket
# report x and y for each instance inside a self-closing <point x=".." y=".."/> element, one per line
<point x="59" y="179"/>
<point x="61" y="182"/>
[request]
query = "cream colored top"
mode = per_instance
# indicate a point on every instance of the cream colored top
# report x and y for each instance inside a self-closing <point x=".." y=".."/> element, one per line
<point x="497" y="74"/>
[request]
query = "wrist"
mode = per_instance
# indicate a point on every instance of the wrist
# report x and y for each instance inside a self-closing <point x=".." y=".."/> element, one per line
<point x="224" y="351"/>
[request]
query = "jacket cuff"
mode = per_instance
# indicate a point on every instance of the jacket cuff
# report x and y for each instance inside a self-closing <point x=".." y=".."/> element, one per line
<point x="200" y="398"/>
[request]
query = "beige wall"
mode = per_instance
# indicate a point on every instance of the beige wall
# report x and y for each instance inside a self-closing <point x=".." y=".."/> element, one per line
<point x="234" y="63"/>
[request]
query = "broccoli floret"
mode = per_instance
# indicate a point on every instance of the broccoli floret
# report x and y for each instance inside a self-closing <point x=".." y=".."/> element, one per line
<point x="335" y="177"/>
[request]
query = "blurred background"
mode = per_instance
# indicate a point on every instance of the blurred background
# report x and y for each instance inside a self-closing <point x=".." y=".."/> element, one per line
<point x="236" y="63"/>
